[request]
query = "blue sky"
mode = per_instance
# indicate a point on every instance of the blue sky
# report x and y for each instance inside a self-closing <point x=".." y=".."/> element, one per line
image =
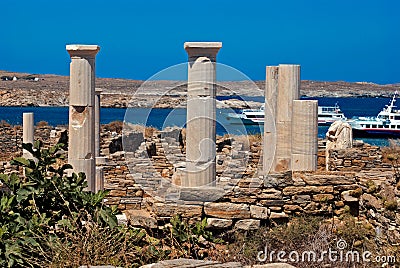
<point x="348" y="40"/>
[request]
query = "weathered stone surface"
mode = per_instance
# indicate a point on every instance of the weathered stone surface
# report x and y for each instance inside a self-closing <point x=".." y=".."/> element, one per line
<point x="273" y="203"/>
<point x="339" y="136"/>
<point x="301" y="199"/>
<point x="270" y="193"/>
<point x="322" y="197"/>
<point x="215" y="223"/>
<point x="168" y="210"/>
<point x="122" y="219"/>
<point x="371" y="201"/>
<point x="346" y="196"/>
<point x="141" y="218"/>
<point x="248" y="224"/>
<point x="119" y="193"/>
<point x="328" y="179"/>
<point x="258" y="212"/>
<point x="278" y="216"/>
<point x="292" y="208"/>
<point x="294" y="190"/>
<point x="227" y="210"/>
<point x="278" y="180"/>
<point x="205" y="194"/>
<point x="250" y="183"/>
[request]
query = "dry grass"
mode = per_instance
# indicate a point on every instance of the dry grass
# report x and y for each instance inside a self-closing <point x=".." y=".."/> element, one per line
<point x="92" y="245"/>
<point x="304" y="234"/>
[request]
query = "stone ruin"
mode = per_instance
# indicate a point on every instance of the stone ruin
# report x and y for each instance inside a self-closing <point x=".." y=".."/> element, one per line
<point x="339" y="136"/>
<point x="291" y="182"/>
<point x="295" y="122"/>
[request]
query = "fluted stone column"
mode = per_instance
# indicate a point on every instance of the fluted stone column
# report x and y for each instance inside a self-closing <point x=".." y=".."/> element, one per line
<point x="99" y="184"/>
<point x="201" y="114"/>
<point x="271" y="94"/>
<point x="305" y="135"/>
<point x="81" y="151"/>
<point x="27" y="132"/>
<point x="97" y="127"/>
<point x="288" y="91"/>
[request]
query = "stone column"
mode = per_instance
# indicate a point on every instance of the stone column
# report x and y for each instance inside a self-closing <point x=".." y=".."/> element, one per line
<point x="81" y="151"/>
<point x="201" y="114"/>
<point x="305" y="135"/>
<point x="288" y="91"/>
<point x="271" y="94"/>
<point x="99" y="185"/>
<point x="97" y="126"/>
<point x="27" y="132"/>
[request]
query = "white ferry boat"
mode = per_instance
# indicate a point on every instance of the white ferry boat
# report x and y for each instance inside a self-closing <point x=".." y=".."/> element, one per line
<point x="248" y="116"/>
<point x="326" y="115"/>
<point x="329" y="114"/>
<point x="385" y="124"/>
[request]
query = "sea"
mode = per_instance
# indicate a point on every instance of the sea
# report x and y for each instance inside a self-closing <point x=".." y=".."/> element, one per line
<point x="161" y="118"/>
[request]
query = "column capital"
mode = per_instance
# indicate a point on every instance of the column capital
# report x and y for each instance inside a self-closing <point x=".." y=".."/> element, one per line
<point x="198" y="49"/>
<point x="82" y="51"/>
<point x="98" y="91"/>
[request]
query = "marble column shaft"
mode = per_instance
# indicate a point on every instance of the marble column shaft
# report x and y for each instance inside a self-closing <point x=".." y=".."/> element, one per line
<point x="288" y="91"/>
<point x="269" y="140"/>
<point x="27" y="132"/>
<point x="305" y="135"/>
<point x="97" y="126"/>
<point x="201" y="114"/>
<point x="81" y="151"/>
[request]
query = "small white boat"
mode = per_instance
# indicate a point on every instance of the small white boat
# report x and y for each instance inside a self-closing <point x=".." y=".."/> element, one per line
<point x="385" y="124"/>
<point x="326" y="115"/>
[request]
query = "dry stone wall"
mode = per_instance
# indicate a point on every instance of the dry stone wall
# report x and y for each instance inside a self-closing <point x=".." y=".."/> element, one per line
<point x="359" y="182"/>
<point x="365" y="159"/>
<point x="11" y="138"/>
<point x="361" y="189"/>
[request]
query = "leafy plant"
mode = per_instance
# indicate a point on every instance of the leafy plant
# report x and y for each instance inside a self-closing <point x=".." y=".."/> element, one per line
<point x="42" y="201"/>
<point x="93" y="244"/>
<point x="190" y="240"/>
<point x="391" y="205"/>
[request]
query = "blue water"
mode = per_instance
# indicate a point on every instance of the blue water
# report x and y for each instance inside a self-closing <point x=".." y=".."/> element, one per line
<point x="161" y="118"/>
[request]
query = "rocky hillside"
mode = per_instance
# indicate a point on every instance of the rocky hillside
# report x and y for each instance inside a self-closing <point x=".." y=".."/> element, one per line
<point x="52" y="90"/>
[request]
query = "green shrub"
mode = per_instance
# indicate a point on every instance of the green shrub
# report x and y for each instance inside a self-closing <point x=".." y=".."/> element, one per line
<point x="356" y="193"/>
<point x="391" y="205"/>
<point x="190" y="240"/>
<point x="371" y="187"/>
<point x="42" y="201"/>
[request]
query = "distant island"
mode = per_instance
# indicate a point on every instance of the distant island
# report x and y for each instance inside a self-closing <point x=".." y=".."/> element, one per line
<point x="22" y="89"/>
